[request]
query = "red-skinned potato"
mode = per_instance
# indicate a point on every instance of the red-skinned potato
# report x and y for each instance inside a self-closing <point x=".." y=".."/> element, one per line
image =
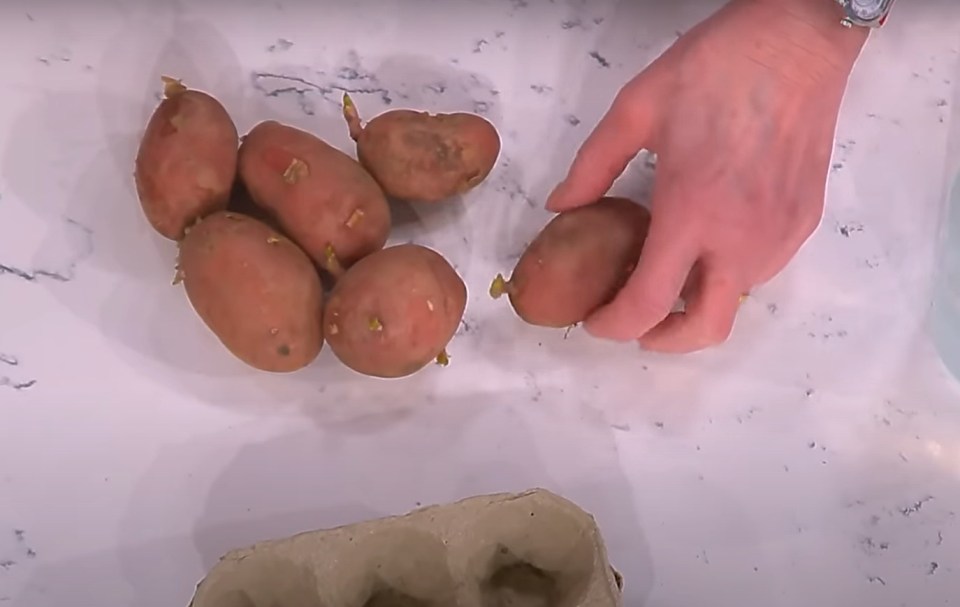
<point x="577" y="263"/>
<point x="257" y="291"/>
<point x="321" y="198"/>
<point x="422" y="157"/>
<point x="186" y="161"/>
<point x="395" y="311"/>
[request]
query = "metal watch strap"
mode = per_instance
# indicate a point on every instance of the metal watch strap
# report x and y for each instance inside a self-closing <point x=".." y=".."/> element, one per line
<point x="865" y="13"/>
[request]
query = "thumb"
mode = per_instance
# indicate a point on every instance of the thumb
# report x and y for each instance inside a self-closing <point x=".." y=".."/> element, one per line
<point x="619" y="136"/>
<point x="649" y="295"/>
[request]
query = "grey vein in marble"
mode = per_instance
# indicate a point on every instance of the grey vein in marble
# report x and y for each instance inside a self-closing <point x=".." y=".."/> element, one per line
<point x="277" y="84"/>
<point x="600" y="59"/>
<point x="578" y="23"/>
<point x="9" y="360"/>
<point x="352" y="77"/>
<point x="6" y="382"/>
<point x="14" y="555"/>
<point x="20" y="536"/>
<point x="65" y="275"/>
<point x="282" y="44"/>
<point x="35" y="274"/>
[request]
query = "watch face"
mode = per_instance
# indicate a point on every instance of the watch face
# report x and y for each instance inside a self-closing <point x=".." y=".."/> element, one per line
<point x="867" y="10"/>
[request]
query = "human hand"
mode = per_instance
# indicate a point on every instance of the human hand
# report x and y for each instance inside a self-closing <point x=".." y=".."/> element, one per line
<point x="741" y="112"/>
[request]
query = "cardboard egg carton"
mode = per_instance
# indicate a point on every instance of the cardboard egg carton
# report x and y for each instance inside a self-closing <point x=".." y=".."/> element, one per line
<point x="532" y="549"/>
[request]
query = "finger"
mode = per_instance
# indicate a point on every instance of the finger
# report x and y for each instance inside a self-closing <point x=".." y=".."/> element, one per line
<point x="622" y="132"/>
<point x="648" y="296"/>
<point x="706" y="321"/>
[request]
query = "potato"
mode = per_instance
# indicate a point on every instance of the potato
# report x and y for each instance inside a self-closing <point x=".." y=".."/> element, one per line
<point x="395" y="311"/>
<point x="257" y="291"/>
<point x="421" y="157"/>
<point x="186" y="161"/>
<point x="577" y="263"/>
<point x="322" y="198"/>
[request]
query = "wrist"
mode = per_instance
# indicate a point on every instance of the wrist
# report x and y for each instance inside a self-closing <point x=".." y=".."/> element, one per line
<point x="810" y="33"/>
<point x="819" y="23"/>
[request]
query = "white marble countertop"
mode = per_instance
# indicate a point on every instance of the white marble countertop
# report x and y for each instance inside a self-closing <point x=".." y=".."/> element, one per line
<point x="812" y="460"/>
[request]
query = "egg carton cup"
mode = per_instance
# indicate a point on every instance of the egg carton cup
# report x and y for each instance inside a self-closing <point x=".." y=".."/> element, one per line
<point x="530" y="549"/>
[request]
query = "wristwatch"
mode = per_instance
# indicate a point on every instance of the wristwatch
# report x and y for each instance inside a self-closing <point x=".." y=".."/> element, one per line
<point x="865" y="13"/>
